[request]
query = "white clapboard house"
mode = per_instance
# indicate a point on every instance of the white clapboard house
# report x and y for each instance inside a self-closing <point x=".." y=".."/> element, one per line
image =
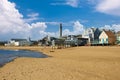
<point x="107" y="37"/>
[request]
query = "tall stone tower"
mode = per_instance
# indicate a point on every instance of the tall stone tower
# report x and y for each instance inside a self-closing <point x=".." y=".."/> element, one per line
<point x="60" y="30"/>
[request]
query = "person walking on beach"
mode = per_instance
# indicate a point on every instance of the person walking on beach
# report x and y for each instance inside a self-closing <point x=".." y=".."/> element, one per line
<point x="53" y="44"/>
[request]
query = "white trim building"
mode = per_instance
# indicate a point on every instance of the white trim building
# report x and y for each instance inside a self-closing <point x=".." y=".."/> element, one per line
<point x="18" y="42"/>
<point x="107" y="37"/>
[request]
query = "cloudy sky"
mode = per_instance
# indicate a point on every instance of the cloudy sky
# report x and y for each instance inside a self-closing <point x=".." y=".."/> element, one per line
<point x="38" y="18"/>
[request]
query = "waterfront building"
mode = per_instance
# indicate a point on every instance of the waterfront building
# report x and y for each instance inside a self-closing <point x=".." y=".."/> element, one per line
<point x="18" y="42"/>
<point x="107" y="37"/>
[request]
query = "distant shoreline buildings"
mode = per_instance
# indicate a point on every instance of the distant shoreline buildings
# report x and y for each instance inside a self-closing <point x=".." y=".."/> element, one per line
<point x="90" y="36"/>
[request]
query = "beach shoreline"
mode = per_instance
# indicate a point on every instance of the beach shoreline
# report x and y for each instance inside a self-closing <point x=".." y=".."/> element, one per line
<point x="85" y="63"/>
<point x="8" y="55"/>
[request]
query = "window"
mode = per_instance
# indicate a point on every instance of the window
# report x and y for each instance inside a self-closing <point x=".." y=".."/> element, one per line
<point x="103" y="40"/>
<point x="106" y="39"/>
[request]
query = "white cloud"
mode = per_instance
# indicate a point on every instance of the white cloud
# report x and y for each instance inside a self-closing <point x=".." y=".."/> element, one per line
<point x="66" y="32"/>
<point x="11" y="20"/>
<point x="37" y="29"/>
<point x="111" y="7"/>
<point x="115" y="27"/>
<point x="53" y="23"/>
<point x="32" y="17"/>
<point x="78" y="28"/>
<point x="106" y="27"/>
<point x="40" y="25"/>
<point x="72" y="3"/>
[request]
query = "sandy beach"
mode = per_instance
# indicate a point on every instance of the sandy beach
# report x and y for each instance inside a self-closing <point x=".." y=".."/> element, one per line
<point x="78" y="63"/>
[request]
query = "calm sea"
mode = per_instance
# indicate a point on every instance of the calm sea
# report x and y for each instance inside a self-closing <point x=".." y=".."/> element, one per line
<point x="9" y="55"/>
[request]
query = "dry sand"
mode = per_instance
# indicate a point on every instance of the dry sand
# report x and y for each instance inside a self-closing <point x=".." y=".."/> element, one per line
<point x="79" y="63"/>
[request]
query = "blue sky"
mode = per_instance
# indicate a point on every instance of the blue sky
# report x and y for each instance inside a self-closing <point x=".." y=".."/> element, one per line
<point x="36" y="19"/>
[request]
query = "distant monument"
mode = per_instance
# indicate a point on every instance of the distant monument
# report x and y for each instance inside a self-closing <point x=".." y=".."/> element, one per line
<point x="60" y="30"/>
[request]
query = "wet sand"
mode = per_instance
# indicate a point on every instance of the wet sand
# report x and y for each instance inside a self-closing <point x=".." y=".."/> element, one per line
<point x="79" y="63"/>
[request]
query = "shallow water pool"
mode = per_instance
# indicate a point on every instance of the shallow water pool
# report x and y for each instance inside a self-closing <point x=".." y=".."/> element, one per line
<point x="9" y="55"/>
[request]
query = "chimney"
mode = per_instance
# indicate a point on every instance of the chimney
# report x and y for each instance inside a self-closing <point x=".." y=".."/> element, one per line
<point x="60" y="30"/>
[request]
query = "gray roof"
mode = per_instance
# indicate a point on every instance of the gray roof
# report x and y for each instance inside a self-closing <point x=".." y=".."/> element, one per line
<point x="19" y="39"/>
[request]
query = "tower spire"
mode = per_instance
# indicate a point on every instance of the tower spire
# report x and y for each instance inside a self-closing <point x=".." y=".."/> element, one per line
<point x="60" y="30"/>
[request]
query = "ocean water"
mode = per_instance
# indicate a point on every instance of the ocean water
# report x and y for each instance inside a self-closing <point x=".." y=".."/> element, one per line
<point x="9" y="55"/>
